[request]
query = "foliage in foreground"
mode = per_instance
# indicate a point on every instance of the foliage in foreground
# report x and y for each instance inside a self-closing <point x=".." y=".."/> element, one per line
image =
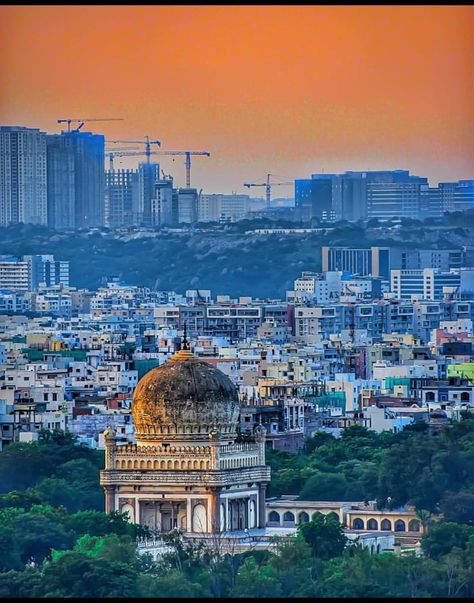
<point x="62" y="548"/>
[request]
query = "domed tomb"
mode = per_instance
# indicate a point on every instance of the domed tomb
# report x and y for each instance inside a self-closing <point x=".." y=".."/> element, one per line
<point x="184" y="399"/>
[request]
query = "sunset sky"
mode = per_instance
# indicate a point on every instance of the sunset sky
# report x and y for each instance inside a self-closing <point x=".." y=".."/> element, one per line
<point x="289" y="90"/>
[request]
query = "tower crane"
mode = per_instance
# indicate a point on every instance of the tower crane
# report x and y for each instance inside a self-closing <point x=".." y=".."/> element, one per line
<point x="187" y="161"/>
<point x="268" y="187"/>
<point x="120" y="152"/>
<point x="187" y="155"/>
<point x="147" y="142"/>
<point x="82" y="120"/>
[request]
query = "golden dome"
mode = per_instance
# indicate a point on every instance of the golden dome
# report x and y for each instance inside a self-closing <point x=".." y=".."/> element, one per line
<point x="184" y="399"/>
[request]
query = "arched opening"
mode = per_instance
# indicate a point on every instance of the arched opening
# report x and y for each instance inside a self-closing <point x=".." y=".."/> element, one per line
<point x="386" y="525"/>
<point x="357" y="524"/>
<point x="429" y="397"/>
<point x="199" y="518"/>
<point x="274" y="517"/>
<point x="303" y="517"/>
<point x="372" y="547"/>
<point x="333" y="515"/>
<point x="400" y="525"/>
<point x="464" y="396"/>
<point x="372" y="524"/>
<point x="288" y="517"/>
<point x="149" y="464"/>
<point x="222" y="517"/>
<point x="252" y="514"/>
<point x="129" y="510"/>
<point x="414" y="526"/>
<point x="378" y="548"/>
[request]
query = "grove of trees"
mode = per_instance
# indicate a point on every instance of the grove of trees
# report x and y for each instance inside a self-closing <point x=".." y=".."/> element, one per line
<point x="56" y="541"/>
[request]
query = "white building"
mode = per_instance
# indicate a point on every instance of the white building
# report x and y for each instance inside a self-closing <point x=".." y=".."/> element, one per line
<point x="23" y="193"/>
<point x="223" y="208"/>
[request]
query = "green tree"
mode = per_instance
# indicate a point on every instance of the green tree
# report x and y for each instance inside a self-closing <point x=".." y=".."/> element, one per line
<point x="324" y="486"/>
<point x="256" y="581"/>
<point x="325" y="536"/>
<point x="76" y="574"/>
<point x="458" y="507"/>
<point x="172" y="585"/>
<point x="444" y="536"/>
<point x="38" y="531"/>
<point x="293" y="563"/>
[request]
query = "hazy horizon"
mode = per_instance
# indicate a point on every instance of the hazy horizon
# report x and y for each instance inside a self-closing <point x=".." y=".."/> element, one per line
<point x="291" y="90"/>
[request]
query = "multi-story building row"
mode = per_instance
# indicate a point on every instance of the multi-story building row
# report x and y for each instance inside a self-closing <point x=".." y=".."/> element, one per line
<point x="29" y="272"/>
<point x="379" y="194"/>
<point x="379" y="261"/>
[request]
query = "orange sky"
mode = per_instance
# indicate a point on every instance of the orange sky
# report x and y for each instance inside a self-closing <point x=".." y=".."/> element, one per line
<point x="284" y="89"/>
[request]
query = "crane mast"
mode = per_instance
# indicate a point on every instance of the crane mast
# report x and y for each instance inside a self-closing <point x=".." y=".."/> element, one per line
<point x="81" y="121"/>
<point x="268" y="187"/>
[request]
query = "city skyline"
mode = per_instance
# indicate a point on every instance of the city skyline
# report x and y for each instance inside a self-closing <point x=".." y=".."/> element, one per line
<point x="402" y="98"/>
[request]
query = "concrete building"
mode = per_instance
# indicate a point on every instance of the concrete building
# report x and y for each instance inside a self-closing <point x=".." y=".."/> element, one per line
<point x="359" y="195"/>
<point x="378" y="261"/>
<point x="121" y="197"/>
<point x="457" y="196"/>
<point x="163" y="209"/>
<point x="222" y="208"/>
<point x="61" y="176"/>
<point x="314" y="197"/>
<point x="432" y="284"/>
<point x="30" y="271"/>
<point x="23" y="192"/>
<point x="394" y="194"/>
<point x="148" y="176"/>
<point x="89" y="176"/>
<point x="187" y="205"/>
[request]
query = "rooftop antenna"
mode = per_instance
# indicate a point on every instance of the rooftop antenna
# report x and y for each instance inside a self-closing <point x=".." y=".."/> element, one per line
<point x="185" y="338"/>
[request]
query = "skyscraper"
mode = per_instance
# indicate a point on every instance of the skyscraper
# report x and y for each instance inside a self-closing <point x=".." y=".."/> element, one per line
<point x="162" y="213"/>
<point x="148" y="175"/>
<point x="61" y="182"/>
<point x="89" y="177"/>
<point x="23" y="195"/>
<point x="121" y="197"/>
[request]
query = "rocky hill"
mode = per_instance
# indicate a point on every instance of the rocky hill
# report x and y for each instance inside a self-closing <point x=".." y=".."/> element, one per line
<point x="229" y="259"/>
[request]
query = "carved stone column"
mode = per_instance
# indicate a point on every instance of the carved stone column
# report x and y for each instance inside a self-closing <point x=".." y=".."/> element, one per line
<point x="214" y="446"/>
<point x="262" y="519"/>
<point x="109" y="438"/>
<point x="109" y="498"/>
<point x="215" y="509"/>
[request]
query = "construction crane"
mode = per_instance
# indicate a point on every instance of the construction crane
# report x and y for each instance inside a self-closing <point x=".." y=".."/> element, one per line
<point x="82" y="120"/>
<point x="268" y="187"/>
<point x="187" y="160"/>
<point x="120" y="152"/>
<point x="147" y="142"/>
